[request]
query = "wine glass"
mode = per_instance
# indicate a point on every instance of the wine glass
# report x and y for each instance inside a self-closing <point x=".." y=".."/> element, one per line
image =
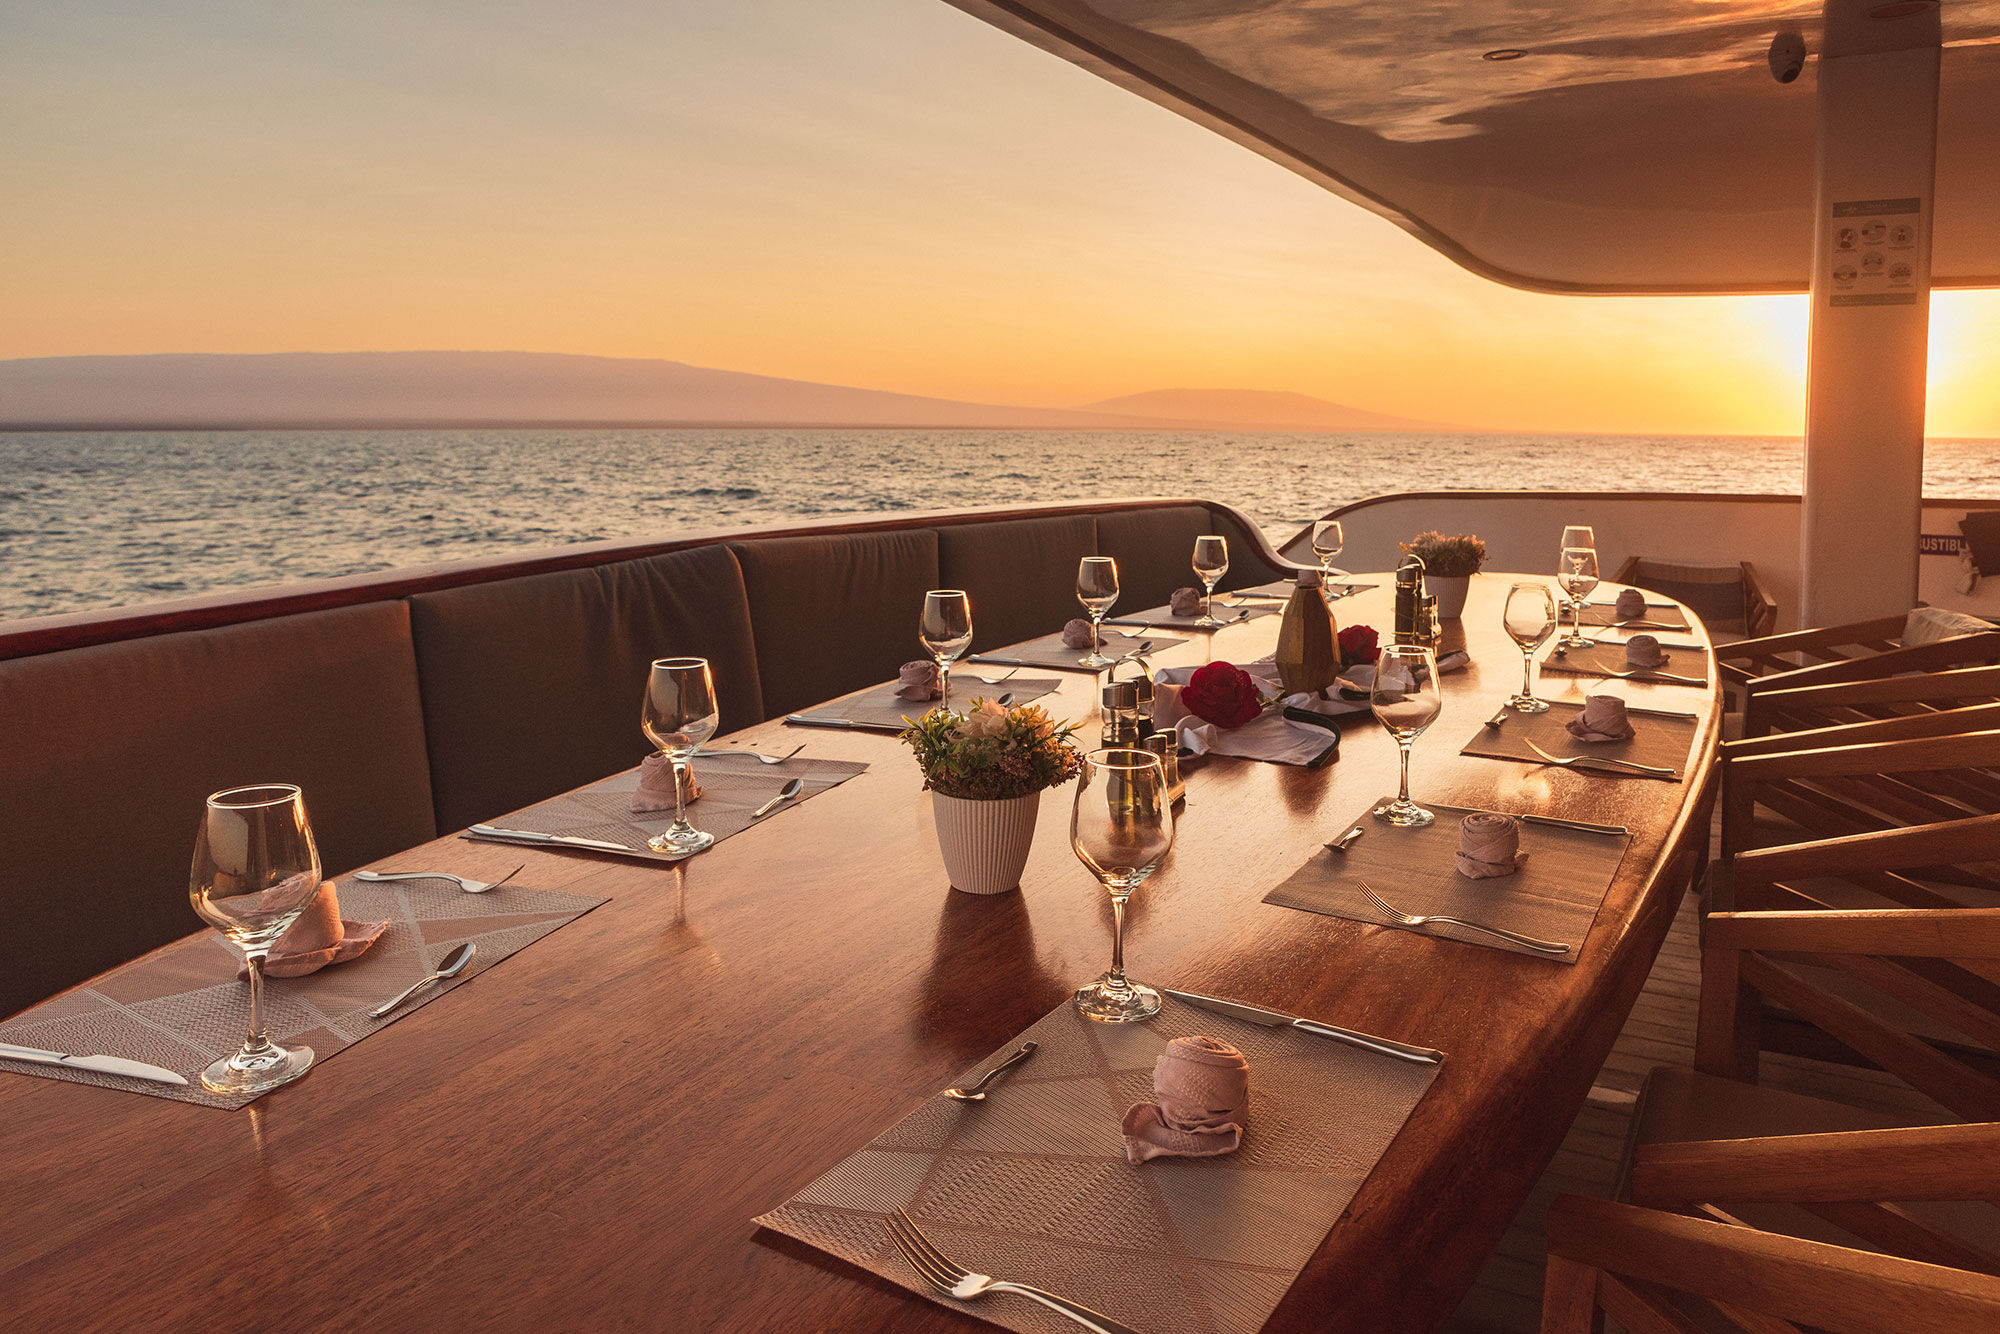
<point x="1096" y="589"/>
<point x="1576" y="535"/>
<point x="1328" y="539"/>
<point x="1577" y="575"/>
<point x="1405" y="699"/>
<point x="1121" y="828"/>
<point x="256" y="868"/>
<point x="1211" y="562"/>
<point x="678" y="714"/>
<point x="1530" y="618"/>
<point x="945" y="631"/>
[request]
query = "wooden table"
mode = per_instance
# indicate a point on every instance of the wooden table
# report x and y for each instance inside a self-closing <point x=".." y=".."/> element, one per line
<point x="579" y="1136"/>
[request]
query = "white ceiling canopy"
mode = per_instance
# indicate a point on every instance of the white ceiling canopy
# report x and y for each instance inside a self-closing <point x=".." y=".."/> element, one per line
<point x="1641" y="146"/>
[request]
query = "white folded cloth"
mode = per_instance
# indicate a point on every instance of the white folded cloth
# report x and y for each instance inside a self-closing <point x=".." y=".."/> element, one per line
<point x="1271" y="737"/>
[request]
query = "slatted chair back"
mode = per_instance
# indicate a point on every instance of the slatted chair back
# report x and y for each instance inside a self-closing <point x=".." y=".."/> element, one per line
<point x="1944" y="673"/>
<point x="1729" y="598"/>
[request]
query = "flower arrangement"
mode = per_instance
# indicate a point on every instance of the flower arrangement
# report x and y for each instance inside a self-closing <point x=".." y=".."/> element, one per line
<point x="1447" y="557"/>
<point x="990" y="752"/>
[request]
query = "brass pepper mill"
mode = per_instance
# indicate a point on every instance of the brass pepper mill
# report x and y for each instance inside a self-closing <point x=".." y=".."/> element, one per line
<point x="1410" y="625"/>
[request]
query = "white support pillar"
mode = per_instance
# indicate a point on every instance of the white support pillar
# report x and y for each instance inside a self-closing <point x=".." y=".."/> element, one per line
<point x="1875" y="169"/>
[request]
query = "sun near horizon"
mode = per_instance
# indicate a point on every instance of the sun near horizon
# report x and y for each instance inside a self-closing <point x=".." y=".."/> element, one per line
<point x="887" y="194"/>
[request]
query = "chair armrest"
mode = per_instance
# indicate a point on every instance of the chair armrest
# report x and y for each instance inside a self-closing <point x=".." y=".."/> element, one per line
<point x="1958" y="651"/>
<point x="1948" y="1162"/>
<point x="1938" y="722"/>
<point x="1920" y="933"/>
<point x="1760" y="609"/>
<point x="1919" y="754"/>
<point x="1887" y="628"/>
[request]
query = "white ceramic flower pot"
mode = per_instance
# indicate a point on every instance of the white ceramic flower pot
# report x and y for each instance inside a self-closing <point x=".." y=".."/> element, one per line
<point x="985" y="843"/>
<point x="1451" y="591"/>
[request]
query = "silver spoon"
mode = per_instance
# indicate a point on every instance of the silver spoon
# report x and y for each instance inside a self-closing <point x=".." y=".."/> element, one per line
<point x="454" y="964"/>
<point x="785" y="793"/>
<point x="1005" y="699"/>
<point x="977" y="1093"/>
<point x="469" y="886"/>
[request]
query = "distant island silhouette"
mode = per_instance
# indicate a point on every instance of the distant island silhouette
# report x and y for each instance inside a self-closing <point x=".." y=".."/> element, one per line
<point x="299" y="390"/>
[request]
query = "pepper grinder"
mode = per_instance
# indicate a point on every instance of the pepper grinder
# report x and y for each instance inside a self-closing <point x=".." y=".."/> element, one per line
<point x="1410" y="600"/>
<point x="1121" y="713"/>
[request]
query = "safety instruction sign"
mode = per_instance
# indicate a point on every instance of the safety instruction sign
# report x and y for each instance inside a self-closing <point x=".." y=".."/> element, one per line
<point x="1873" y="252"/>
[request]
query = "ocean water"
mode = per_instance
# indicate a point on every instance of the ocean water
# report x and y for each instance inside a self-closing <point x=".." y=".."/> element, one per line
<point x="92" y="520"/>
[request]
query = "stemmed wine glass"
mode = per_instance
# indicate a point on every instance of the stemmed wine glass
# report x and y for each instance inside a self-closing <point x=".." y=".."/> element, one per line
<point x="945" y="631"/>
<point x="1121" y="828"/>
<point x="256" y="869"/>
<point x="1328" y="539"/>
<point x="1405" y="700"/>
<point x="1096" y="589"/>
<point x="1576" y="537"/>
<point x="1577" y="575"/>
<point x="1530" y="618"/>
<point x="1211" y="562"/>
<point x="677" y="716"/>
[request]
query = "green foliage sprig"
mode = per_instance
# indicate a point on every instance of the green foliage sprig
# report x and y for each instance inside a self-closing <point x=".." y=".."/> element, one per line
<point x="1447" y="557"/>
<point x="991" y="753"/>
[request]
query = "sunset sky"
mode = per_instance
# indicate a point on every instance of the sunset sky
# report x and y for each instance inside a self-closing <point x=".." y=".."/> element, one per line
<point x="885" y="193"/>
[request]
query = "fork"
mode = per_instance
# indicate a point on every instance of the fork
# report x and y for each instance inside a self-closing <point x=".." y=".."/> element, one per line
<point x="760" y="757"/>
<point x="957" y="1281"/>
<point x="1592" y="761"/>
<point x="1413" y="921"/>
<point x="996" y="680"/>
<point x="469" y="886"/>
<point x="1647" y="673"/>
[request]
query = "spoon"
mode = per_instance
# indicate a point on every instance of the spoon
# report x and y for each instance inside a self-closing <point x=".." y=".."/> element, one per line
<point x="454" y="964"/>
<point x="1005" y="699"/>
<point x="785" y="793"/>
<point x="977" y="1093"/>
<point x="1498" y="719"/>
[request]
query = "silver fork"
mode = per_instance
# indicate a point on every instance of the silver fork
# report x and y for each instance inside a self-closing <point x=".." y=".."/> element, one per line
<point x="1593" y="761"/>
<point x="960" y="1282"/>
<point x="1413" y="921"/>
<point x="1649" y="674"/>
<point x="996" y="680"/>
<point x="759" y="756"/>
<point x="469" y="886"/>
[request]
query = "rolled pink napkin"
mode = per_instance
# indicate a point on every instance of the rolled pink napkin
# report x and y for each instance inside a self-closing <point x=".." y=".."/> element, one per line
<point x="919" y="680"/>
<point x="1201" y="1103"/>
<point x="1644" y="651"/>
<point x="656" y="785"/>
<point x="1185" y="602"/>
<point x="1489" y="846"/>
<point x="1603" y="719"/>
<point x="1076" y="634"/>
<point x="1631" y="604"/>
<point x="318" y="938"/>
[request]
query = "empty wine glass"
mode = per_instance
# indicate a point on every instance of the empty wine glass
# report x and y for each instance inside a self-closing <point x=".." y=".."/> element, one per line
<point x="677" y="716"/>
<point x="1211" y="562"/>
<point x="1405" y="700"/>
<point x="256" y="868"/>
<point x="1121" y="829"/>
<point x="1578" y="575"/>
<point x="1575" y="535"/>
<point x="1328" y="539"/>
<point x="1096" y="589"/>
<point x="1530" y="618"/>
<point x="945" y="630"/>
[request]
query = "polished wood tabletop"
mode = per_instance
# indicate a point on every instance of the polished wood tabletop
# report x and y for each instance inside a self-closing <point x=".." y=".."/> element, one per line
<point x="578" y="1136"/>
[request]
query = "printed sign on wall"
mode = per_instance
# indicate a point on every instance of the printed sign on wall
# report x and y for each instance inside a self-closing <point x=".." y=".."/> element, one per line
<point x="1873" y="252"/>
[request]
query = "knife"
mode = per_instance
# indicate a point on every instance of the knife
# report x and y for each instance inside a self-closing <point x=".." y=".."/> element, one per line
<point x="534" y="836"/>
<point x="828" y="720"/>
<point x="108" y="1065"/>
<point x="1274" y="1019"/>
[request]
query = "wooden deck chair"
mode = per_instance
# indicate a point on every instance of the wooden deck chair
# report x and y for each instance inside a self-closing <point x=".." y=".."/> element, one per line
<point x="1728" y="598"/>
<point x="1783" y="704"/>
<point x="1848" y="652"/>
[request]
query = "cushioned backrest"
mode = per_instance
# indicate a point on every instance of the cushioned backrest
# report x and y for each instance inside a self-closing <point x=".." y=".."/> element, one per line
<point x="1927" y="625"/>
<point x="531" y="686"/>
<point x="1154" y="549"/>
<point x="837" y="612"/>
<point x="1020" y="574"/>
<point x="107" y="752"/>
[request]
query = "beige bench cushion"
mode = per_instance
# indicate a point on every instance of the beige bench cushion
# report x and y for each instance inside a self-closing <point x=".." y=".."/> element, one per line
<point x="1154" y="549"/>
<point x="1019" y="573"/>
<point x="110" y="751"/>
<point x="837" y="612"/>
<point x="531" y="686"/>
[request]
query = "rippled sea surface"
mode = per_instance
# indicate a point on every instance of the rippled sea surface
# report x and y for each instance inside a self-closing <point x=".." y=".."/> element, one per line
<point x="97" y="520"/>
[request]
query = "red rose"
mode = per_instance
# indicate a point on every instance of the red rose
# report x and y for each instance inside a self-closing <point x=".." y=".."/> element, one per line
<point x="1222" y="693"/>
<point x="1357" y="644"/>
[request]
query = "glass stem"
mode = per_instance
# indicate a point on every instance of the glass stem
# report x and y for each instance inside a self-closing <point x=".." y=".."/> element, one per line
<point x="944" y="683"/>
<point x="1404" y="746"/>
<point x="1527" y="673"/>
<point x="1096" y="619"/>
<point x="258" y="1042"/>
<point x="680" y="799"/>
<point x="1117" y="943"/>
<point x="1207" y="599"/>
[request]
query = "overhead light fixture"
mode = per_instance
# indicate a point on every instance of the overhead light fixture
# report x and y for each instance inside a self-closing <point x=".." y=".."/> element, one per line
<point x="1506" y="53"/>
<point x="1901" y="9"/>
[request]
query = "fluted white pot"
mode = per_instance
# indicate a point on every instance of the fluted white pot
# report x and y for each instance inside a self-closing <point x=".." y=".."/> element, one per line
<point x="985" y="843"/>
<point x="1451" y="590"/>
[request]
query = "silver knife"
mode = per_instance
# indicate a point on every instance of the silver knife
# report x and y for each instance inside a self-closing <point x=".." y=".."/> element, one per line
<point x="1274" y="1019"/>
<point x="107" y="1065"/>
<point x="534" y="836"/>
<point x="828" y="720"/>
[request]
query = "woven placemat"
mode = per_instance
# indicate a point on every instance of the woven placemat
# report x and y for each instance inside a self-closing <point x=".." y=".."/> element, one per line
<point x="732" y="786"/>
<point x="1554" y="896"/>
<point x="1659" y="616"/>
<point x="881" y="707"/>
<point x="1032" y="1184"/>
<point x="1282" y="588"/>
<point x="1050" y="651"/>
<point x="1659" y="739"/>
<point x="182" y="1007"/>
<point x="1228" y="613"/>
<point x="1608" y="659"/>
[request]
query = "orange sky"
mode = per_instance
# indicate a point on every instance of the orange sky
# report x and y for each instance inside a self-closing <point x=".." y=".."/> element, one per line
<point x="883" y="193"/>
